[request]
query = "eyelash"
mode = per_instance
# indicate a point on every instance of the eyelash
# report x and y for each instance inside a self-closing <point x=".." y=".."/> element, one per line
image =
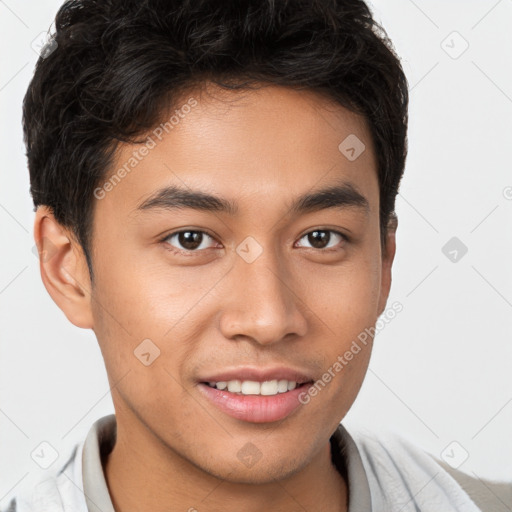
<point x="185" y="252"/>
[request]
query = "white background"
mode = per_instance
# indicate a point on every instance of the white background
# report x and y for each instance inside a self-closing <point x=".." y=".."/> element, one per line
<point x="440" y="371"/>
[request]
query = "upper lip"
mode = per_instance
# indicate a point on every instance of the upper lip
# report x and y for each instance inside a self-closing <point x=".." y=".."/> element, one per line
<point x="259" y="375"/>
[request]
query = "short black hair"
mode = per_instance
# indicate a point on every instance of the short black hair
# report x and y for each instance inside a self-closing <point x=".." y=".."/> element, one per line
<point x="116" y="65"/>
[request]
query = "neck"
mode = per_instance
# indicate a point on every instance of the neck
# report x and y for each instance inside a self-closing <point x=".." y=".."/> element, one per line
<point x="143" y="474"/>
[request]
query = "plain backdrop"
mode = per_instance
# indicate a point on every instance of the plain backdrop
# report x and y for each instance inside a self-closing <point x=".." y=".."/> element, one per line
<point x="440" y="374"/>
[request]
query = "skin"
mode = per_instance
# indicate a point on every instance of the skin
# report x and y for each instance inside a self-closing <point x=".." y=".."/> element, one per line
<point x="295" y="305"/>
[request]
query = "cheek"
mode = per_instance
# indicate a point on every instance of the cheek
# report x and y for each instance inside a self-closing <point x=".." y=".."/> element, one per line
<point x="144" y="299"/>
<point x="347" y="297"/>
<point x="144" y="367"/>
<point x="141" y="309"/>
<point x="345" y="304"/>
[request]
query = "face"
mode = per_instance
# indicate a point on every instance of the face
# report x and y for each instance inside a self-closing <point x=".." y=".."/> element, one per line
<point x="188" y="290"/>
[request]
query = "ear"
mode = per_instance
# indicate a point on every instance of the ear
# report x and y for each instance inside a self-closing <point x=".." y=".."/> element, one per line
<point x="387" y="261"/>
<point x="63" y="268"/>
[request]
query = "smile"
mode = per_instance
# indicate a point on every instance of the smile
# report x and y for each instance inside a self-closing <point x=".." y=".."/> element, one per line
<point x="251" y="387"/>
<point x="255" y="402"/>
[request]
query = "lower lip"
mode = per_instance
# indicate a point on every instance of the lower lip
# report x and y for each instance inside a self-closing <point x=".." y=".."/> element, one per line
<point x="255" y="408"/>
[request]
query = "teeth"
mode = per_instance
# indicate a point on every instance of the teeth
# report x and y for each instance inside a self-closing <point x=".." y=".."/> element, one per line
<point x="234" y="386"/>
<point x="251" y="387"/>
<point x="282" y="386"/>
<point x="269" y="388"/>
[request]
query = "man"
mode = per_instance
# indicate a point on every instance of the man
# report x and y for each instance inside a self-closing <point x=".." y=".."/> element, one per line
<point x="215" y="189"/>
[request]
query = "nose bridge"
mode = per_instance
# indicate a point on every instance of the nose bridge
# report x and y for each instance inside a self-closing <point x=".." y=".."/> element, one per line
<point x="264" y="305"/>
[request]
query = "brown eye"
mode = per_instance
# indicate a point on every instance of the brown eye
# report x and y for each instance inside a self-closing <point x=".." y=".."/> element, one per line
<point x="320" y="238"/>
<point x="188" y="240"/>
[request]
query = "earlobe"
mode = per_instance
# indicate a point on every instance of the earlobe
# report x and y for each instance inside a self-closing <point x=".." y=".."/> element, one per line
<point x="63" y="268"/>
<point x="387" y="262"/>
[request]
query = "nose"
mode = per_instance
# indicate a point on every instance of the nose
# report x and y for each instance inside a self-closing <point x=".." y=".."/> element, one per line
<point x="263" y="301"/>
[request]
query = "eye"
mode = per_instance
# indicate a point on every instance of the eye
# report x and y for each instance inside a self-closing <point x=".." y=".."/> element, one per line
<point x="320" y="237"/>
<point x="188" y="240"/>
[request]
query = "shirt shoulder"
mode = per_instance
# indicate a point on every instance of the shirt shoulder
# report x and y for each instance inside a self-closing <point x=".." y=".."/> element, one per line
<point x="489" y="495"/>
<point x="402" y="476"/>
<point x="57" y="490"/>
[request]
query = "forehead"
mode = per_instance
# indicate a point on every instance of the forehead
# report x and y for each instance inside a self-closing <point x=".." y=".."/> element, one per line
<point x="259" y="146"/>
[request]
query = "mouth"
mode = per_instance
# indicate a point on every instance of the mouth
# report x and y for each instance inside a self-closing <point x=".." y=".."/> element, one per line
<point x="254" y="401"/>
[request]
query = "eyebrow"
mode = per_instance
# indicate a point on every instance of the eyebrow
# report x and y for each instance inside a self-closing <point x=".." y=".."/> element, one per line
<point x="339" y="196"/>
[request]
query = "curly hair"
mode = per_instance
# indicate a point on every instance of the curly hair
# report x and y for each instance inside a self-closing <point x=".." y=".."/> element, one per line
<point x="118" y="63"/>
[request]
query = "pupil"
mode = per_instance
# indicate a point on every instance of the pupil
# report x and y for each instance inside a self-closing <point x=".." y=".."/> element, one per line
<point x="317" y="243"/>
<point x="190" y="239"/>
